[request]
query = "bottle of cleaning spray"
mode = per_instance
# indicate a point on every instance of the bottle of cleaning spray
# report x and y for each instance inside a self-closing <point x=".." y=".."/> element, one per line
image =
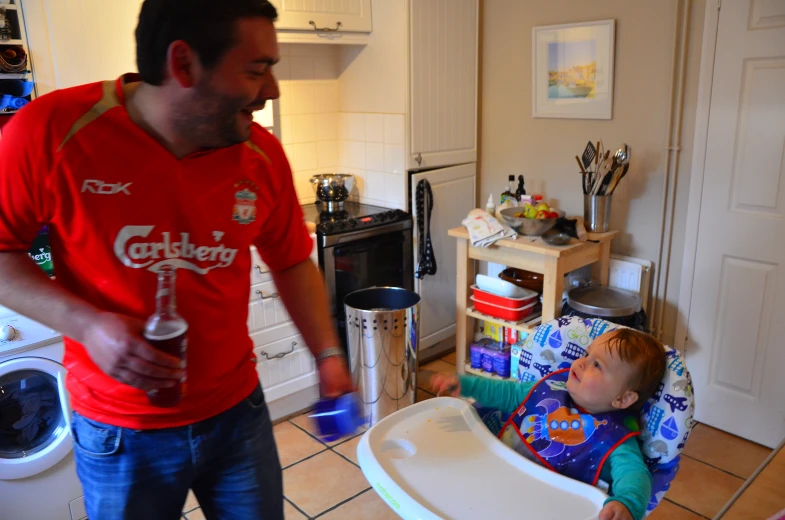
<point x="490" y="207"/>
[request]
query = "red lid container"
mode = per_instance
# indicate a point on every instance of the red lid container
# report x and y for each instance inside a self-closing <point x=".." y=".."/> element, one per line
<point x="504" y="301"/>
<point x="502" y="313"/>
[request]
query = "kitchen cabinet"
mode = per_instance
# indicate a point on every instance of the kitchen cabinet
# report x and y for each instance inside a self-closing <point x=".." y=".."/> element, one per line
<point x="325" y="21"/>
<point x="454" y="195"/>
<point x="443" y="49"/>
<point x="285" y="366"/>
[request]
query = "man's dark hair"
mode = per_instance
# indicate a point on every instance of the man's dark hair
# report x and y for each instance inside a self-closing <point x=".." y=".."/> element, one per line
<point x="206" y="25"/>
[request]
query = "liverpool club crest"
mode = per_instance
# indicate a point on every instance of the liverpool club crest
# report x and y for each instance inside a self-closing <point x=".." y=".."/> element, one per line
<point x="244" y="206"/>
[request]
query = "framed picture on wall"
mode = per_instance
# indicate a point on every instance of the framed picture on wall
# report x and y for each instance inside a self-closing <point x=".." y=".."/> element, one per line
<point x="572" y="70"/>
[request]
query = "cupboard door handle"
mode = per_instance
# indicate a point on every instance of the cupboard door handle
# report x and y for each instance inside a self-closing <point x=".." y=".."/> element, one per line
<point x="280" y="354"/>
<point x="418" y="159"/>
<point x="266" y="296"/>
<point x="261" y="269"/>
<point x="325" y="29"/>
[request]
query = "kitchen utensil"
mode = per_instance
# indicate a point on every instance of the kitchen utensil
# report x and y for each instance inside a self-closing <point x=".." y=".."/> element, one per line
<point x="332" y="188"/>
<point x="588" y="156"/>
<point x="500" y="287"/>
<point x="528" y="226"/>
<point x="502" y="301"/>
<point x="526" y="279"/>
<point x="597" y="213"/>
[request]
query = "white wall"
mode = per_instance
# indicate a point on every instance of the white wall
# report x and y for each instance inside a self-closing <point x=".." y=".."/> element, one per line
<point x="544" y="150"/>
<point x="343" y="109"/>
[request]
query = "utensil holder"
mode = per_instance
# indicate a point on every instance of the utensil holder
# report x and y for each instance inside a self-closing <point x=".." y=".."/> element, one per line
<point x="597" y="213"/>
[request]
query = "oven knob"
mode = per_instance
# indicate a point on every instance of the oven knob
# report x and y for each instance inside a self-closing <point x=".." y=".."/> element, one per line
<point x="328" y="227"/>
<point x="353" y="223"/>
<point x="382" y="216"/>
<point x="7" y="333"/>
<point x="341" y="225"/>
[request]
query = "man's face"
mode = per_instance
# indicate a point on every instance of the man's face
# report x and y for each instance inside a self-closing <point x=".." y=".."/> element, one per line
<point x="218" y="110"/>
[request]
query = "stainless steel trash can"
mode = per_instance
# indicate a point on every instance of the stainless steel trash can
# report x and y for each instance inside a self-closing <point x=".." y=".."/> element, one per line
<point x="382" y="331"/>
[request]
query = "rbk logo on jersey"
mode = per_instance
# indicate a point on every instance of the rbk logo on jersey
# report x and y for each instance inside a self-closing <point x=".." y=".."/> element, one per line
<point x="137" y="253"/>
<point x="105" y="188"/>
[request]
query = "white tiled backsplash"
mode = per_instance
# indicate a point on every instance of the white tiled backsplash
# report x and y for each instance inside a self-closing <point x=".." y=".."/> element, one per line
<point x="319" y="138"/>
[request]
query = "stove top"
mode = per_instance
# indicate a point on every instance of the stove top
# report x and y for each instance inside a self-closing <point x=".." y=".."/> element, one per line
<point x="353" y="216"/>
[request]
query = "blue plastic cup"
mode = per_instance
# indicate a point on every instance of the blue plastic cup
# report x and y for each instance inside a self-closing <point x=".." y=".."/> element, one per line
<point x="337" y="417"/>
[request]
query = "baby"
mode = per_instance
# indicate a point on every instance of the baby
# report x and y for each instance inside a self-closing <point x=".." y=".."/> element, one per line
<point x="581" y="421"/>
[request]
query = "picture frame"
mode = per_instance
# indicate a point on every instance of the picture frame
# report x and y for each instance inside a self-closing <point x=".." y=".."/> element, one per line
<point x="572" y="70"/>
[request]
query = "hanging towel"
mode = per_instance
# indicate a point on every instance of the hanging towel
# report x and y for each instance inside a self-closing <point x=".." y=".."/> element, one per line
<point x="424" y="195"/>
<point x="485" y="230"/>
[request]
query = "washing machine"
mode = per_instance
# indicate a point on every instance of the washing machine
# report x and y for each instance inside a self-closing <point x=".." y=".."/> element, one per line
<point x="37" y="473"/>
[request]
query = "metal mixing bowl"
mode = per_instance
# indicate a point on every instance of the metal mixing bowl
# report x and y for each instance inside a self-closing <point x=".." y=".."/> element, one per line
<point x="530" y="227"/>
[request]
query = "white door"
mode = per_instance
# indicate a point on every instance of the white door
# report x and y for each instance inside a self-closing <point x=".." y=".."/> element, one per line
<point x="453" y="198"/>
<point x="736" y="327"/>
<point x="73" y="43"/>
<point x="344" y="15"/>
<point x="443" y="91"/>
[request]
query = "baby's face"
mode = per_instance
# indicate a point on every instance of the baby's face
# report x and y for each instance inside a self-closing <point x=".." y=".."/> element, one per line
<point x="600" y="380"/>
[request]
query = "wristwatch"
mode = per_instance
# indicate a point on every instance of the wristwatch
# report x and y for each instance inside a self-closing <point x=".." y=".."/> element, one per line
<point x="328" y="353"/>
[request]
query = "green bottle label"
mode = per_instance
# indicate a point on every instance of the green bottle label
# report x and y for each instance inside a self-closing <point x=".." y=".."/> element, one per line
<point x="41" y="253"/>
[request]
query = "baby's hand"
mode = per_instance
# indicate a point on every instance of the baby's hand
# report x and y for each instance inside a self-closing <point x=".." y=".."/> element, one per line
<point x="615" y="511"/>
<point x="449" y="384"/>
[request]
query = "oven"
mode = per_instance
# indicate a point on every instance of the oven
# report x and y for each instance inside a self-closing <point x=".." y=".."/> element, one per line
<point x="361" y="246"/>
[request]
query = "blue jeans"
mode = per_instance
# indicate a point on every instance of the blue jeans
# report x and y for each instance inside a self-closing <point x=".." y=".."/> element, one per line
<point x="230" y="461"/>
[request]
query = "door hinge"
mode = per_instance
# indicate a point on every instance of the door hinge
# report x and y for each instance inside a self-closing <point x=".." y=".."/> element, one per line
<point x="719" y="5"/>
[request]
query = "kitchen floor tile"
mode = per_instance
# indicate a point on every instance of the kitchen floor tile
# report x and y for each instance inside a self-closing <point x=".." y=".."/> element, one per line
<point x="763" y="498"/>
<point x="294" y="444"/>
<point x="450" y="358"/>
<point x="367" y="506"/>
<point x="670" y="511"/>
<point x="321" y="482"/>
<point x="702" y="488"/>
<point x="305" y="422"/>
<point x="190" y="502"/>
<point x="439" y="366"/>
<point x="349" y="449"/>
<point x="290" y="513"/>
<point x="725" y="451"/>
<point x="196" y="514"/>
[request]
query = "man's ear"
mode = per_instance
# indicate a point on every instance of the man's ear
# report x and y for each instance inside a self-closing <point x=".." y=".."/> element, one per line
<point x="625" y="400"/>
<point x="182" y="64"/>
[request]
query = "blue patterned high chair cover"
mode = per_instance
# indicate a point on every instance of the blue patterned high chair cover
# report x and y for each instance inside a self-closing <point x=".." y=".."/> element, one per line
<point x="666" y="418"/>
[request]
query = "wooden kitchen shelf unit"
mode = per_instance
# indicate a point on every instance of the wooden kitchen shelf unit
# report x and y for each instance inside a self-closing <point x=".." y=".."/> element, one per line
<point x="525" y="325"/>
<point x="530" y="254"/>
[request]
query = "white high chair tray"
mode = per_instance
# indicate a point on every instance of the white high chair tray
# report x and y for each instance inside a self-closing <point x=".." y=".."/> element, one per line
<point x="436" y="459"/>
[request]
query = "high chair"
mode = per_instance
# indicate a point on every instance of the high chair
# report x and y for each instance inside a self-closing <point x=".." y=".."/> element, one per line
<point x="441" y="459"/>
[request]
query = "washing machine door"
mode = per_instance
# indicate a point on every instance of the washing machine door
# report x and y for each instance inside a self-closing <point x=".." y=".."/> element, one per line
<point x="34" y="417"/>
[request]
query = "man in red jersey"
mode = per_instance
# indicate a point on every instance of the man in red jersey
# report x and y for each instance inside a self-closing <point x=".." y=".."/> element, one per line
<point x="165" y="168"/>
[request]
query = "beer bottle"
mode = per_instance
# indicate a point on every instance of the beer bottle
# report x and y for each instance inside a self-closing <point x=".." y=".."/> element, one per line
<point x="166" y="330"/>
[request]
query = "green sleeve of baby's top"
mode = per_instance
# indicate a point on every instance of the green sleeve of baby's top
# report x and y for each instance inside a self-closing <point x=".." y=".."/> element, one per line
<point x="629" y="477"/>
<point x="495" y="393"/>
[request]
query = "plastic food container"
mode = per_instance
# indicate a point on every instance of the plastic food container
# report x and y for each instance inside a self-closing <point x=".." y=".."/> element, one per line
<point x="504" y="301"/>
<point x="337" y="417"/>
<point x="503" y="313"/>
